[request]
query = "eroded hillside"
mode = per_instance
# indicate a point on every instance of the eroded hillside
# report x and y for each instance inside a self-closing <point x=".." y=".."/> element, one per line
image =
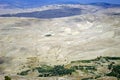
<point x="30" y="42"/>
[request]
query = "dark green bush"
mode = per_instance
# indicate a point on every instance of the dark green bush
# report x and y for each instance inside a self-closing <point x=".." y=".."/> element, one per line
<point x="24" y="72"/>
<point x="60" y="70"/>
<point x="115" y="71"/>
<point x="48" y="35"/>
<point x="90" y="78"/>
<point x="98" y="76"/>
<point x="7" y="78"/>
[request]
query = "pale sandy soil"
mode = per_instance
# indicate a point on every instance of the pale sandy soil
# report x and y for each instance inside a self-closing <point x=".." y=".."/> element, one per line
<point x="24" y="41"/>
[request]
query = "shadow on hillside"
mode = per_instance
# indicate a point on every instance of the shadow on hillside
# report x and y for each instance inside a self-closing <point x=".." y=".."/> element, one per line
<point x="47" y="14"/>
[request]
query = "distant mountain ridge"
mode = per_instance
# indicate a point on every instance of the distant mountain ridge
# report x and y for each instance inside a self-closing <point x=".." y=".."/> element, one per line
<point x="105" y="5"/>
<point x="46" y="14"/>
<point x="63" y="11"/>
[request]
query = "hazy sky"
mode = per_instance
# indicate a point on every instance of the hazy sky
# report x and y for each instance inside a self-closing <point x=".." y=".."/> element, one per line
<point x="92" y="1"/>
<point x="81" y="1"/>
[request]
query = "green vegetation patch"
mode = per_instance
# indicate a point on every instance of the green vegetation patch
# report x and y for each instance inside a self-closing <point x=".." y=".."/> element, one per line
<point x="90" y="78"/>
<point x="112" y="58"/>
<point x="84" y="67"/>
<point x="83" y="61"/>
<point x="97" y="59"/>
<point x="115" y="71"/>
<point x="61" y="70"/>
<point x="57" y="70"/>
<point x="47" y="71"/>
<point x="88" y="61"/>
<point x="7" y="78"/>
<point x="23" y="73"/>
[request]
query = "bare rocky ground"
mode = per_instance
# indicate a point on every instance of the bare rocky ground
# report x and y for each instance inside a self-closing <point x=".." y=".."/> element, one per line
<point x="33" y="42"/>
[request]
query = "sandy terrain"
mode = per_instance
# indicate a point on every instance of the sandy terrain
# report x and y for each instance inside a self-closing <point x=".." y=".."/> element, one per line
<point x="30" y="41"/>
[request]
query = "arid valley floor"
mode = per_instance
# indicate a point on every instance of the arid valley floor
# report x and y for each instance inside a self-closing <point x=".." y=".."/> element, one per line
<point x="29" y="42"/>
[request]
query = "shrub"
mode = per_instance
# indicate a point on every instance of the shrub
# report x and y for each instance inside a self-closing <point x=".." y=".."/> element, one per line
<point x="115" y="71"/>
<point x="24" y="72"/>
<point x="48" y="35"/>
<point x="7" y="78"/>
<point x="90" y="78"/>
<point x="60" y="70"/>
<point x="98" y="76"/>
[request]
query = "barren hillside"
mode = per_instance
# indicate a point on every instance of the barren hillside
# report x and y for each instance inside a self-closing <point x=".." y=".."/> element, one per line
<point x="56" y="41"/>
